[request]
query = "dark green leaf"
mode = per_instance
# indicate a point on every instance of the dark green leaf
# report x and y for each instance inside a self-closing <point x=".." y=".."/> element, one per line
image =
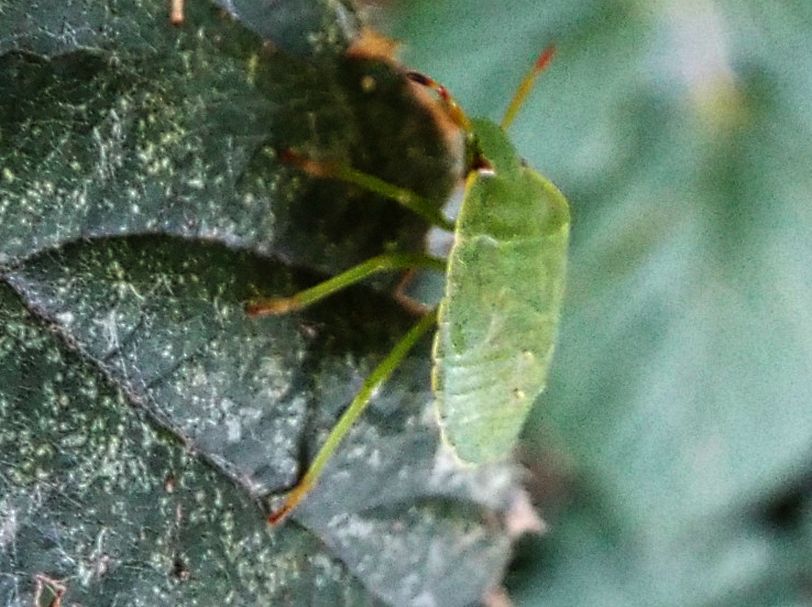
<point x="94" y="495"/>
<point x="145" y="418"/>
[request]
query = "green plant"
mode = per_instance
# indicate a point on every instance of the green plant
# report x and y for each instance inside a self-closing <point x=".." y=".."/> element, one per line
<point x="144" y="417"/>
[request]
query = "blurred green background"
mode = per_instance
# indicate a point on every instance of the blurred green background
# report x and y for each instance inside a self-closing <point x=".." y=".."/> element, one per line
<point x="672" y="454"/>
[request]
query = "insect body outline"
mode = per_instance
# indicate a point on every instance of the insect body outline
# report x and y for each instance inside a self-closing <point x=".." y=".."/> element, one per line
<point x="496" y="322"/>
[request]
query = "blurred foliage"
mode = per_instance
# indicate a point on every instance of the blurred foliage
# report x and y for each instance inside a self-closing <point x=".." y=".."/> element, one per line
<point x="672" y="451"/>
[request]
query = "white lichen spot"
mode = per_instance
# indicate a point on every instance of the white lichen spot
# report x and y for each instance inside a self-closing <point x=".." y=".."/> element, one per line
<point x="233" y="430"/>
<point x="43" y="451"/>
<point x="251" y="69"/>
<point x="8" y="525"/>
<point x="197" y="376"/>
<point x="66" y="319"/>
<point x="8" y="175"/>
<point x="196" y="183"/>
<point x="425" y="599"/>
<point x="374" y="459"/>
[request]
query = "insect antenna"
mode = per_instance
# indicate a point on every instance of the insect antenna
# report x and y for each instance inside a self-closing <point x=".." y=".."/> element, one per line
<point x="526" y="86"/>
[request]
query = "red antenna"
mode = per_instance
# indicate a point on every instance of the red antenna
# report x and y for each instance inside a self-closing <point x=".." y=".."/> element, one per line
<point x="526" y="85"/>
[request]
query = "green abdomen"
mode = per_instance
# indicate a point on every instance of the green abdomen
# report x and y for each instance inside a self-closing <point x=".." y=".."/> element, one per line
<point x="498" y="320"/>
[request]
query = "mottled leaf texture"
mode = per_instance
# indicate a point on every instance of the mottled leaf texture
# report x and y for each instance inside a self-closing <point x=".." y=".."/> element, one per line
<point x="144" y="419"/>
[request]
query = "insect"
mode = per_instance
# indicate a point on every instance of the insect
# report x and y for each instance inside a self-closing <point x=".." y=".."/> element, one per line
<point x="497" y="320"/>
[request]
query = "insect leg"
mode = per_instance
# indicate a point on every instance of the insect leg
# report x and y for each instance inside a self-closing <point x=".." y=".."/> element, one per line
<point x="526" y="85"/>
<point x="378" y="376"/>
<point x="274" y="306"/>
<point x="333" y="170"/>
<point x="409" y="303"/>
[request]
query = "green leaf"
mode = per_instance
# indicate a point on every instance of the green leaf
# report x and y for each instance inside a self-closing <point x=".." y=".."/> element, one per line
<point x="679" y="396"/>
<point x="94" y="494"/>
<point x="300" y="27"/>
<point x="145" y="419"/>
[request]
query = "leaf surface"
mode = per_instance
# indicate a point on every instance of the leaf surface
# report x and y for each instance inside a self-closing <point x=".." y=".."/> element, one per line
<point x="146" y="419"/>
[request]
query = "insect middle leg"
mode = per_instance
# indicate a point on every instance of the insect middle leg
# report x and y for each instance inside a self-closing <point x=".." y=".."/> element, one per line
<point x="274" y="306"/>
<point x="283" y="305"/>
<point x="374" y="380"/>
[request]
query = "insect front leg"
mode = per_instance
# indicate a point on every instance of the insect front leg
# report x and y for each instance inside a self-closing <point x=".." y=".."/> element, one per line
<point x="276" y="306"/>
<point x="379" y="375"/>
<point x="342" y="172"/>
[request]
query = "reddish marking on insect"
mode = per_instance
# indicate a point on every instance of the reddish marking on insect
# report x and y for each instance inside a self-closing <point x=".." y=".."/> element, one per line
<point x="276" y="517"/>
<point x="481" y="164"/>
<point x="369" y="44"/>
<point x="431" y="83"/>
<point x="454" y="111"/>
<point x="545" y="57"/>
<point x="272" y="306"/>
<point x="291" y="501"/>
<point x="526" y="85"/>
<point x="307" y="165"/>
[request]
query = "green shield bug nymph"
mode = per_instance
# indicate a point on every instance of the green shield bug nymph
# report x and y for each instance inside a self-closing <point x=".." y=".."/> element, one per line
<point x="496" y="322"/>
